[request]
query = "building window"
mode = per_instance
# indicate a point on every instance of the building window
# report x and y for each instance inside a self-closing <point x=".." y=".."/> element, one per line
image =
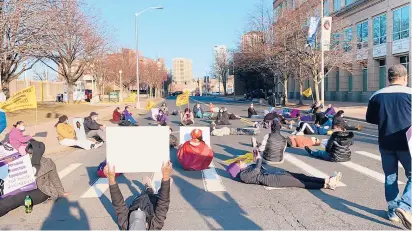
<point x="404" y="60"/>
<point x="293" y="4"/>
<point x="362" y="34"/>
<point x="348" y="2"/>
<point x="335" y="40"/>
<point x="326" y="8"/>
<point x="401" y="23"/>
<point x="379" y="29"/>
<point x="347" y="39"/>
<point x="336" y="5"/>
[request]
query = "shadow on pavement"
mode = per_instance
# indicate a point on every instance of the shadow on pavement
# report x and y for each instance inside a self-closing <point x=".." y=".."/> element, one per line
<point x="346" y="206"/>
<point x="230" y="216"/>
<point x="61" y="217"/>
<point x="233" y="151"/>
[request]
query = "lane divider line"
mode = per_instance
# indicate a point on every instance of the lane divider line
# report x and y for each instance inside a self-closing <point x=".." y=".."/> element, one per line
<point x="69" y="169"/>
<point x="211" y="180"/>
<point x="373" y="156"/>
<point x="97" y="189"/>
<point x="366" y="171"/>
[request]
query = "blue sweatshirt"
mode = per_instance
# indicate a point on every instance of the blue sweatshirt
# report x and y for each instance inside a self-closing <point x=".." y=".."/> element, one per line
<point x="390" y="109"/>
<point x="3" y="121"/>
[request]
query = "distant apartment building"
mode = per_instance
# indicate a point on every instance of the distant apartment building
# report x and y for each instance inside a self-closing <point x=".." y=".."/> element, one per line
<point x="379" y="30"/>
<point x="252" y="40"/>
<point x="182" y="70"/>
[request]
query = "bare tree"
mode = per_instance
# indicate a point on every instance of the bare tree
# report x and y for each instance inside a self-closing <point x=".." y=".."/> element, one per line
<point x="24" y="25"/>
<point x="221" y="68"/>
<point x="76" y="40"/>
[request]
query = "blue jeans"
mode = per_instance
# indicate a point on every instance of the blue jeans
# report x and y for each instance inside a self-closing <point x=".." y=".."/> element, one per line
<point x="324" y="155"/>
<point x="131" y="120"/>
<point x="390" y="161"/>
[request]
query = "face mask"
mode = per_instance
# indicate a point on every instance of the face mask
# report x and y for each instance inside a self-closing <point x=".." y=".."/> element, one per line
<point x="22" y="128"/>
<point x="67" y="121"/>
<point x="341" y="116"/>
<point x="95" y="118"/>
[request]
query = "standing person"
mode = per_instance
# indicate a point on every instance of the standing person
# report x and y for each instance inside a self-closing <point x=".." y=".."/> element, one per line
<point x="338" y="119"/>
<point x="92" y="128"/>
<point x="67" y="135"/>
<point x="17" y="139"/>
<point x="390" y="109"/>
<point x="148" y="211"/>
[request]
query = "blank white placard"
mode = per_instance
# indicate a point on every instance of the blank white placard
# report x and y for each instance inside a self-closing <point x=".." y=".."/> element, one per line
<point x="137" y="149"/>
<point x="185" y="134"/>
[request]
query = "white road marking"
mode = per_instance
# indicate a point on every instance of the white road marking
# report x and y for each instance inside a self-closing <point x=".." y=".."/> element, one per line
<point x="366" y="171"/>
<point x="97" y="189"/>
<point x="211" y="180"/>
<point x="366" y="134"/>
<point x="68" y="170"/>
<point x="373" y="156"/>
<point x="307" y="168"/>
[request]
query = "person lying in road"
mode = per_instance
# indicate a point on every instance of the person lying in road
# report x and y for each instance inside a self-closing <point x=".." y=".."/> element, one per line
<point x="226" y="131"/>
<point x="256" y="174"/>
<point x="302" y="141"/>
<point x="148" y="210"/>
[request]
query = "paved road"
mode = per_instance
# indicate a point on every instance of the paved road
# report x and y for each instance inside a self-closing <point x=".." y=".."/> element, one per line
<point x="227" y="204"/>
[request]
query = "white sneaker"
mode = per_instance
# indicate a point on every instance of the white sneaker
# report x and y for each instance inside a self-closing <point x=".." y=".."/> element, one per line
<point x="300" y="133"/>
<point x="294" y="132"/>
<point x="97" y="145"/>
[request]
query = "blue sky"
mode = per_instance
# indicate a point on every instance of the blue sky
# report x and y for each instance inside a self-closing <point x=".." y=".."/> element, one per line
<point x="184" y="28"/>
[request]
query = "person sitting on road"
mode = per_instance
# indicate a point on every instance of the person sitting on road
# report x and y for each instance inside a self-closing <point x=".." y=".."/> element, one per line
<point x="148" y="210"/>
<point x="302" y="141"/>
<point x="161" y="118"/>
<point x="195" y="154"/>
<point x="198" y="111"/>
<point x="256" y="174"/>
<point x="187" y="118"/>
<point x="173" y="141"/>
<point x="222" y="117"/>
<point x="128" y="116"/>
<point x="232" y="116"/>
<point x="94" y="129"/>
<point x="310" y="129"/>
<point x="17" y="139"/>
<point x="338" y="119"/>
<point x="321" y="119"/>
<point x="226" y="131"/>
<point x="273" y="145"/>
<point x="251" y="112"/>
<point x="337" y="148"/>
<point x="67" y="136"/>
<point x="330" y="111"/>
<point x="49" y="185"/>
<point x="165" y="109"/>
<point x="117" y="116"/>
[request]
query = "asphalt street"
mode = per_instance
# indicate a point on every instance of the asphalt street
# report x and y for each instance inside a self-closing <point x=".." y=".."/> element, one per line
<point x="196" y="203"/>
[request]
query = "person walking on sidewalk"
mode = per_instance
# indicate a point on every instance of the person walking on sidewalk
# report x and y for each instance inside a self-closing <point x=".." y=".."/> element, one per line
<point x="67" y="136"/>
<point x="390" y="109"/>
<point x="148" y="211"/>
<point x="94" y="129"/>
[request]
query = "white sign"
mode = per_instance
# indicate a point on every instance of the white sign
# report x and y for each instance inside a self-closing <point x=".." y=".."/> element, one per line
<point x="137" y="149"/>
<point x="78" y="124"/>
<point x="185" y="134"/>
<point x="326" y="32"/>
<point x="17" y="176"/>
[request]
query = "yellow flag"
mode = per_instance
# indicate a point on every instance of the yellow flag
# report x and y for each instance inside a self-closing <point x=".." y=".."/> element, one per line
<point x="246" y="158"/>
<point x="131" y="98"/>
<point x="150" y="105"/>
<point x="24" y="99"/>
<point x="182" y="99"/>
<point x="307" y="92"/>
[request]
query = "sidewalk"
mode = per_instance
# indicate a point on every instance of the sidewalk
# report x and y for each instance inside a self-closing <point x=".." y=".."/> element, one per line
<point x="47" y="134"/>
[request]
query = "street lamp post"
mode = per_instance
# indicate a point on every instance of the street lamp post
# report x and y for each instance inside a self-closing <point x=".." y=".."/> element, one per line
<point x="121" y="87"/>
<point x="137" y="52"/>
<point x="322" y="56"/>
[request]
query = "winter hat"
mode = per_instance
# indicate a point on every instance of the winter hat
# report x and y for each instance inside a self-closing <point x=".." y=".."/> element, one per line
<point x="196" y="134"/>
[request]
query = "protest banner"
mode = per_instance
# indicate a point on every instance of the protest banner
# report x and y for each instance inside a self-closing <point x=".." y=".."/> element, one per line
<point x="185" y="134"/>
<point x="16" y="175"/>
<point x="246" y="158"/>
<point x="137" y="149"/>
<point x="78" y="125"/>
<point x="182" y="99"/>
<point x="154" y="111"/>
<point x="150" y="105"/>
<point x="24" y="99"/>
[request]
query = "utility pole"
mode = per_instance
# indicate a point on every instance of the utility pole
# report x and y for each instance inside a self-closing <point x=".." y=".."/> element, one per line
<point x="322" y="56"/>
<point x="121" y="87"/>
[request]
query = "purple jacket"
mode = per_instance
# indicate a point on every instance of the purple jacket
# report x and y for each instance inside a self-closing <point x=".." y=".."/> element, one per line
<point x="127" y="114"/>
<point x="17" y="139"/>
<point x="162" y="119"/>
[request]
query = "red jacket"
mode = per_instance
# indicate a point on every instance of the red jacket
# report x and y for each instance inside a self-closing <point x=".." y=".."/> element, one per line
<point x="194" y="156"/>
<point x="116" y="116"/>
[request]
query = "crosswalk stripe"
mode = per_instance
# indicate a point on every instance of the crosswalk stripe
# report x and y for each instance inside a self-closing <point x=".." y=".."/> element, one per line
<point x="97" y="189"/>
<point x="373" y="156"/>
<point x="366" y="171"/>
<point x="211" y="180"/>
<point x="307" y="168"/>
<point x="69" y="169"/>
